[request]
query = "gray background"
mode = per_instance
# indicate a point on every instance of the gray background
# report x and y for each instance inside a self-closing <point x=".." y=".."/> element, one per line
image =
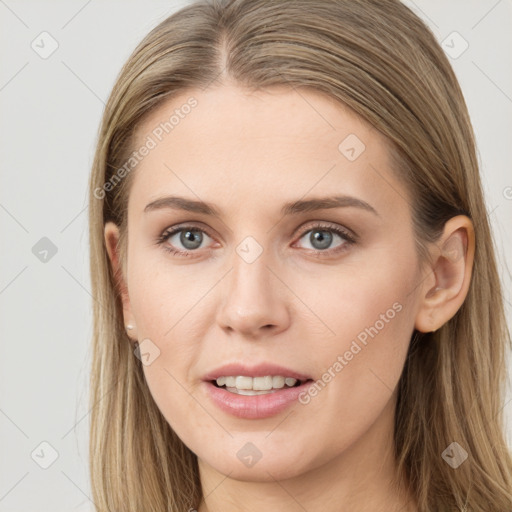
<point x="50" y="113"/>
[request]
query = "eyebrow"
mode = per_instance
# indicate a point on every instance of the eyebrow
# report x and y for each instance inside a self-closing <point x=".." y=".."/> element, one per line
<point x="292" y="208"/>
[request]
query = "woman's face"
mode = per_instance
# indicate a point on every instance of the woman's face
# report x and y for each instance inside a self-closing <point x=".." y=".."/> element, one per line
<point x="307" y="270"/>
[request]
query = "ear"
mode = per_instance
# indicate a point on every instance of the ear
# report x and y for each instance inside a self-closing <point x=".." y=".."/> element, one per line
<point x="111" y="234"/>
<point x="444" y="291"/>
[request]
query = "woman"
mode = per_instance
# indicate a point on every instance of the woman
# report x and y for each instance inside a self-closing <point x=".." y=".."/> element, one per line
<point x="297" y="301"/>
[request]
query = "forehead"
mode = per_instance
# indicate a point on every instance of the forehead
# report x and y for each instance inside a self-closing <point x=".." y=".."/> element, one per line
<point x="254" y="148"/>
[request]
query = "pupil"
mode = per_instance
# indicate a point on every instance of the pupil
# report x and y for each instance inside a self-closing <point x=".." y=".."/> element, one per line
<point x="319" y="240"/>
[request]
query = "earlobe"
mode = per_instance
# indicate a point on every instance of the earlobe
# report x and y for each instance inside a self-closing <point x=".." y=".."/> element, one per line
<point x="452" y="262"/>
<point x="111" y="234"/>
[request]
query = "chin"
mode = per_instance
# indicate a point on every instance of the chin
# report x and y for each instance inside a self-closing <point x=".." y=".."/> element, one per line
<point x="260" y="472"/>
<point x="274" y="461"/>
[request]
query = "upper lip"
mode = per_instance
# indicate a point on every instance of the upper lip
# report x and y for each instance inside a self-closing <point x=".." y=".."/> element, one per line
<point x="259" y="370"/>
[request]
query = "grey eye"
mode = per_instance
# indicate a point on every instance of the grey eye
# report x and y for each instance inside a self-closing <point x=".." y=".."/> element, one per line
<point x="320" y="239"/>
<point x="190" y="239"/>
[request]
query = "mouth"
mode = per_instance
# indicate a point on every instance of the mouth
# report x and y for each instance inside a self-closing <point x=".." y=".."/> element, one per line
<point x="255" y="391"/>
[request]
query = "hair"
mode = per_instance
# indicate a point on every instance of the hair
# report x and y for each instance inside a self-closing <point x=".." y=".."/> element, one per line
<point x="380" y="59"/>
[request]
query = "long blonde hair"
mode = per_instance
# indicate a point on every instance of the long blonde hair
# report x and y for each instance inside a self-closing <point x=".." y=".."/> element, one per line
<point x="380" y="59"/>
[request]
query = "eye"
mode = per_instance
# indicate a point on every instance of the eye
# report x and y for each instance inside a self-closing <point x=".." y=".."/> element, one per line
<point x="321" y="238"/>
<point x="185" y="240"/>
<point x="182" y="240"/>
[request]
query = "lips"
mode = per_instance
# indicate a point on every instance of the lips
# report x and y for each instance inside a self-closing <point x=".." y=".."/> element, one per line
<point x="254" y="404"/>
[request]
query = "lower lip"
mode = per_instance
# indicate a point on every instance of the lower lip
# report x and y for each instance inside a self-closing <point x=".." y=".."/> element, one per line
<point x="254" y="406"/>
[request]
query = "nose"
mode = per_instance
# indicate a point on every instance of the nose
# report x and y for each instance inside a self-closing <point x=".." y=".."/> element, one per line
<point x="254" y="301"/>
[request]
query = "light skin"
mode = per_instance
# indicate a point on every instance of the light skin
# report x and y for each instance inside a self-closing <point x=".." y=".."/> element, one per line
<point x="249" y="154"/>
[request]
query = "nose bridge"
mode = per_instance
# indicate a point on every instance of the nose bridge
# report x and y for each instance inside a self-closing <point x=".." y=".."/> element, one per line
<point x="250" y="273"/>
<point x="253" y="299"/>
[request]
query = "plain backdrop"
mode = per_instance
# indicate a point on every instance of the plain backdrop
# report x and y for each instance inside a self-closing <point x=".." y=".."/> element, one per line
<point x="50" y="109"/>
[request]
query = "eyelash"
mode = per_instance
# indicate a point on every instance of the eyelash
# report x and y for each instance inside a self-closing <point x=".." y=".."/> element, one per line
<point x="348" y="239"/>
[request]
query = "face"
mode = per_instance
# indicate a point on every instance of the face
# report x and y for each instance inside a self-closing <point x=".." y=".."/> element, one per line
<point x="305" y="269"/>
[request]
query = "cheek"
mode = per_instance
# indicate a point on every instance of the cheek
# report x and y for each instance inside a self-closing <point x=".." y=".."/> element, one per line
<point x="164" y="295"/>
<point x="169" y="309"/>
<point x="370" y="309"/>
<point x="364" y="299"/>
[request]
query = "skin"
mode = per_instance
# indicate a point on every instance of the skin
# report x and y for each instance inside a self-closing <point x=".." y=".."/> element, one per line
<point x="248" y="154"/>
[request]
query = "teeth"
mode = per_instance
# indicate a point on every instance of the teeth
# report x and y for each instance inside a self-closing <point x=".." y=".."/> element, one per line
<point x="262" y="383"/>
<point x="278" y="382"/>
<point x="248" y="384"/>
<point x="243" y="382"/>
